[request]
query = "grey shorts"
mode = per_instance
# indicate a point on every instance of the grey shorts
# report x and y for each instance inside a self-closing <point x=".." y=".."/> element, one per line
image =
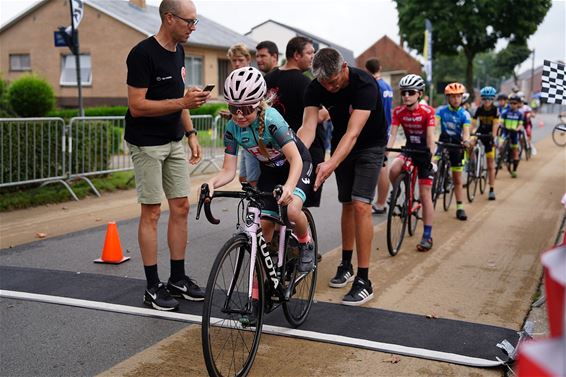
<point x="357" y="175"/>
<point x="249" y="167"/>
<point x="160" y="169"/>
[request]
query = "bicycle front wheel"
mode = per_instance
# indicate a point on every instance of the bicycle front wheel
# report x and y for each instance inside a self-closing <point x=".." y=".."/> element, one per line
<point x="472" y="178"/>
<point x="416" y="210"/>
<point x="397" y="214"/>
<point x="438" y="184"/>
<point x="231" y="323"/>
<point x="448" y="189"/>
<point x="559" y="135"/>
<point x="297" y="309"/>
<point x="483" y="172"/>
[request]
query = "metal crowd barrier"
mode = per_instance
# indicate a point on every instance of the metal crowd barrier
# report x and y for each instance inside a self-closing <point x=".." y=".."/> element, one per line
<point x="33" y="151"/>
<point x="45" y="150"/>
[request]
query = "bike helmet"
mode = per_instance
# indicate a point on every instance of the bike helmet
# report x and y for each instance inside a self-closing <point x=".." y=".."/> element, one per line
<point x="501" y="96"/>
<point x="411" y="82"/>
<point x="465" y="97"/>
<point x="454" y="88"/>
<point x="515" y="98"/>
<point x="244" y="86"/>
<point x="488" y="92"/>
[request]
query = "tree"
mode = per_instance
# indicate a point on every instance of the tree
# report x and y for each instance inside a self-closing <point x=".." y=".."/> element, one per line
<point x="469" y="26"/>
<point x="507" y="59"/>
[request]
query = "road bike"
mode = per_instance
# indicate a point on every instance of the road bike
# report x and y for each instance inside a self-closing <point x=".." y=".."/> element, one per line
<point x="503" y="153"/>
<point x="525" y="148"/>
<point x="559" y="131"/>
<point x="405" y="207"/>
<point x="247" y="281"/>
<point x="476" y="169"/>
<point x="443" y="185"/>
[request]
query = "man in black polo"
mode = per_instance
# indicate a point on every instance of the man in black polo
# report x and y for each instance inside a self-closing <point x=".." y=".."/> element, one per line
<point x="353" y="100"/>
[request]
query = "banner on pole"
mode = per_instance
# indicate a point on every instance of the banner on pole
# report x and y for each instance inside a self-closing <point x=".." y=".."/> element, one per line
<point x="427" y="50"/>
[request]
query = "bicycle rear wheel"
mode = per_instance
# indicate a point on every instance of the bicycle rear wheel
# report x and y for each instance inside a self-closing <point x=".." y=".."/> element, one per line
<point x="559" y="134"/>
<point x="397" y="214"/>
<point x="438" y="184"/>
<point x="297" y="309"/>
<point x="230" y="339"/>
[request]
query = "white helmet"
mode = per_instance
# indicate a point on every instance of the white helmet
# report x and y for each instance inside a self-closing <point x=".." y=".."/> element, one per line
<point x="244" y="86"/>
<point x="465" y="97"/>
<point x="412" y="82"/>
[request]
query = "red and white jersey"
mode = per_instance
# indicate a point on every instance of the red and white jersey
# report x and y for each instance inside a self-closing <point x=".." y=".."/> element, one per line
<point x="414" y="122"/>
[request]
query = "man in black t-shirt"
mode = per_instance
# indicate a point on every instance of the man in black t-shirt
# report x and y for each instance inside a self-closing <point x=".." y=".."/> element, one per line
<point x="353" y="100"/>
<point x="287" y="84"/>
<point x="156" y="121"/>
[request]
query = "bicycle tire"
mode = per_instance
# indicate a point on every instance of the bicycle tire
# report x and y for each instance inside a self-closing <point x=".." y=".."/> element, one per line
<point x="448" y="189"/>
<point x="297" y="309"/>
<point x="483" y="172"/>
<point x="397" y="215"/>
<point x="416" y="213"/>
<point x="437" y="184"/>
<point x="559" y="134"/>
<point x="471" y="177"/>
<point x="227" y="341"/>
<point x="498" y="160"/>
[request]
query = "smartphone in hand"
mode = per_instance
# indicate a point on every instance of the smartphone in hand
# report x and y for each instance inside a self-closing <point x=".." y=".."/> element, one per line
<point x="208" y="88"/>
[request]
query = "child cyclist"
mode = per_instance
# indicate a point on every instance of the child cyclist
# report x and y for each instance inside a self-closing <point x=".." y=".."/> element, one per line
<point x="283" y="158"/>
<point x="454" y="124"/>
<point x="511" y="121"/>
<point x="486" y="121"/>
<point x="418" y="124"/>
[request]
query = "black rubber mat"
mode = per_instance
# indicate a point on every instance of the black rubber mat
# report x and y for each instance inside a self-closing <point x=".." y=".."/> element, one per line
<point x="356" y="326"/>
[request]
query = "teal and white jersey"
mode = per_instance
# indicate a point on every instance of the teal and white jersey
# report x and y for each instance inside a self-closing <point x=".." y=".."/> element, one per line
<point x="277" y="133"/>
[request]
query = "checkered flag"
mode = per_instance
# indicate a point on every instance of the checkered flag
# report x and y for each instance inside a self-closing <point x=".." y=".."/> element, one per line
<point x="553" y="84"/>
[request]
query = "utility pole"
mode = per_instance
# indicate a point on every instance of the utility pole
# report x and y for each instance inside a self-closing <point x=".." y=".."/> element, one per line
<point x="532" y="75"/>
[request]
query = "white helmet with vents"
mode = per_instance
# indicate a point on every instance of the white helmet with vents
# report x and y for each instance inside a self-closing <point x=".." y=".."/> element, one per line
<point x="411" y="81"/>
<point x="244" y="86"/>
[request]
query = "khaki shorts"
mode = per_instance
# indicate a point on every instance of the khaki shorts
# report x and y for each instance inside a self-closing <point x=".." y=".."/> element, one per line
<point x="160" y="169"/>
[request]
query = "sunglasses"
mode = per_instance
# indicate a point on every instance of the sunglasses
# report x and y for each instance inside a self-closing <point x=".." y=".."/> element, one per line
<point x="513" y="103"/>
<point x="245" y="110"/>
<point x="487" y="98"/>
<point x="189" y="21"/>
<point x="408" y="92"/>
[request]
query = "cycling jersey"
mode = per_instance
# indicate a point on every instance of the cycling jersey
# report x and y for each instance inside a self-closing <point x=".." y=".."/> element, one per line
<point x="511" y="119"/>
<point x="486" y="118"/>
<point x="453" y="121"/>
<point x="414" y="123"/>
<point x="276" y="134"/>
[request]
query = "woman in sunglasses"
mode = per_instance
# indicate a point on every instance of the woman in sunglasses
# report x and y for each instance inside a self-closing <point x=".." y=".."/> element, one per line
<point x="283" y="158"/>
<point x="418" y="124"/>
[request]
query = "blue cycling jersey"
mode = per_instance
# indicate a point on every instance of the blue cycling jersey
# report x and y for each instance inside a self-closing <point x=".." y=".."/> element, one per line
<point x="453" y="121"/>
<point x="277" y="133"/>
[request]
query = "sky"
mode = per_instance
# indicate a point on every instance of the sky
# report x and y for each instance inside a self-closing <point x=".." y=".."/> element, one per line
<point x="354" y="24"/>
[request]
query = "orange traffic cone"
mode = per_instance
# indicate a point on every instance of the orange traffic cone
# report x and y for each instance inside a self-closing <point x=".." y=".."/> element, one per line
<point x="112" y="251"/>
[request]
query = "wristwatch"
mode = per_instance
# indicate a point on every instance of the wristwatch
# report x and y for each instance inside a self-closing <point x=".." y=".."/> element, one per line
<point x="189" y="133"/>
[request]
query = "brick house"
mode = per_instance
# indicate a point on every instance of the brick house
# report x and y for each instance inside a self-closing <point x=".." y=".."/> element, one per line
<point x="107" y="32"/>
<point x="395" y="62"/>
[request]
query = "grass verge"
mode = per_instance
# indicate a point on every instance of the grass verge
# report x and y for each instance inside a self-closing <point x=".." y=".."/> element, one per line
<point x="11" y="199"/>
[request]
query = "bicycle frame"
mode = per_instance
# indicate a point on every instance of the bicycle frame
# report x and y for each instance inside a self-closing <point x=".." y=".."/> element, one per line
<point x="410" y="169"/>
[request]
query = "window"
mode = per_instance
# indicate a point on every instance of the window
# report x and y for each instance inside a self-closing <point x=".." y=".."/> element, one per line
<point x="69" y="70"/>
<point x="223" y="71"/>
<point x="194" y="67"/>
<point x="20" y="62"/>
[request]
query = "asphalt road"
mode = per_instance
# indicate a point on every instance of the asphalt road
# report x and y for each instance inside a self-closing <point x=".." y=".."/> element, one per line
<point x="52" y="340"/>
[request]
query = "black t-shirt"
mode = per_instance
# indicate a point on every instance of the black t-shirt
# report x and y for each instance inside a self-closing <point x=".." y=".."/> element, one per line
<point x="162" y="72"/>
<point x="362" y="93"/>
<point x="486" y="118"/>
<point x="289" y="87"/>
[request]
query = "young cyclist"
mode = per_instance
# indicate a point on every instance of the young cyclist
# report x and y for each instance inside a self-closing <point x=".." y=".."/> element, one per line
<point x="486" y="121"/>
<point x="528" y="116"/>
<point x="418" y="125"/>
<point x="454" y="124"/>
<point x="501" y="102"/>
<point x="283" y="158"/>
<point x="511" y="121"/>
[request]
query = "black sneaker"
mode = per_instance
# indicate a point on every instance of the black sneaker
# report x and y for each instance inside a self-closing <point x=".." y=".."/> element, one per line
<point x="491" y="195"/>
<point x="159" y="298"/>
<point x="360" y="293"/>
<point x="378" y="211"/>
<point x="344" y="275"/>
<point x="307" y="257"/>
<point x="461" y="215"/>
<point x="186" y="288"/>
